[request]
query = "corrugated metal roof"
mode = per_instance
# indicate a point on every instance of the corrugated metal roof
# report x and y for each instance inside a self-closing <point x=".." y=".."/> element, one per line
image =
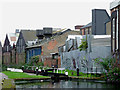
<point x="88" y="25"/>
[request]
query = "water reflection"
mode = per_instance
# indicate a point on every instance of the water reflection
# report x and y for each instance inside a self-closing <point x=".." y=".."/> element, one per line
<point x="64" y="84"/>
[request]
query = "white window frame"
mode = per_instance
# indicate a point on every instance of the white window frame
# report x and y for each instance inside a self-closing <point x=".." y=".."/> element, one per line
<point x="117" y="32"/>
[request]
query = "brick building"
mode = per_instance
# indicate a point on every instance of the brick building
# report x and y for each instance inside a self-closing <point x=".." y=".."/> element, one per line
<point x="26" y="38"/>
<point x="50" y="48"/>
<point x="115" y="28"/>
<point x="77" y="27"/>
<point x="6" y="51"/>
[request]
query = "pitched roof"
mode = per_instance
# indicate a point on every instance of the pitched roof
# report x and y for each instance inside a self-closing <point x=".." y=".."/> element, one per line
<point x="88" y="25"/>
<point x="57" y="41"/>
<point x="29" y="35"/>
<point x="7" y="42"/>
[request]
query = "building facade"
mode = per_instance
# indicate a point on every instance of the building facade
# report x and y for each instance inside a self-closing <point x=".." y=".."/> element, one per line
<point x="99" y="18"/>
<point x="77" y="27"/>
<point x="87" y="29"/>
<point x="115" y="28"/>
<point x="26" y="38"/>
<point x="32" y="51"/>
<point x="98" y="25"/>
<point x="6" y="51"/>
<point x="0" y="53"/>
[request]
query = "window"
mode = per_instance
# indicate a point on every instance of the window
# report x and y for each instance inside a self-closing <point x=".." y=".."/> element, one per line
<point x="113" y="24"/>
<point x="7" y="48"/>
<point x="113" y="28"/>
<point x="117" y="32"/>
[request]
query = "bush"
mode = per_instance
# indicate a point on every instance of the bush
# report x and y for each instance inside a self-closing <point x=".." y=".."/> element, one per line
<point x="84" y="45"/>
<point x="34" y="61"/>
<point x="17" y="66"/>
<point x="107" y="63"/>
<point x="4" y="67"/>
<point x="112" y="73"/>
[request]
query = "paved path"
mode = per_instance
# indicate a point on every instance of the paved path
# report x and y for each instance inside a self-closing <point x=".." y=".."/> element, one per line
<point x="2" y="76"/>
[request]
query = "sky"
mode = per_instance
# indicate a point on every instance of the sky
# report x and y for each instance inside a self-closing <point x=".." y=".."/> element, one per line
<point x="36" y="14"/>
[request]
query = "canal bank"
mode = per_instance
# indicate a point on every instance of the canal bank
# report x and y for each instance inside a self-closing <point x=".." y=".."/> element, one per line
<point x="5" y="82"/>
<point x="72" y="82"/>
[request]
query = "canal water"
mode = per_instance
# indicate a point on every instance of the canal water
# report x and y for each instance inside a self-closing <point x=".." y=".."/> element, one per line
<point x="64" y="84"/>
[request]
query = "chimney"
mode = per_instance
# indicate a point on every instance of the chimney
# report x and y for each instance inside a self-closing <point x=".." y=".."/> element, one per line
<point x="47" y="32"/>
<point x="39" y="34"/>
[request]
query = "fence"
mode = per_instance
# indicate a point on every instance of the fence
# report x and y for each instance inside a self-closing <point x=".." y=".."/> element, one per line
<point x="84" y="60"/>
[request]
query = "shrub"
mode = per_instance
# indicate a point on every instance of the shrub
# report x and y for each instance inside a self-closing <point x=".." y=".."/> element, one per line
<point x="4" y="67"/>
<point x="107" y="63"/>
<point x="34" y="60"/>
<point x="84" y="45"/>
<point x="112" y="73"/>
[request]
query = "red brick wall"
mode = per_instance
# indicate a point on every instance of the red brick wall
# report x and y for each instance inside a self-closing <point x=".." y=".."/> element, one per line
<point x="52" y="44"/>
<point x="50" y="62"/>
<point x="59" y="62"/>
<point x="47" y="62"/>
<point x="83" y="32"/>
<point x="52" y="47"/>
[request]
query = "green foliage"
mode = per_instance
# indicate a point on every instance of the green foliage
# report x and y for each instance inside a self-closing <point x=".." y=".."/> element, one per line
<point x="4" y="67"/>
<point x="74" y="73"/>
<point x="84" y="45"/>
<point x="40" y="64"/>
<point x="34" y="60"/>
<point x="112" y="73"/>
<point x="107" y="63"/>
<point x="17" y="66"/>
<point x="26" y="66"/>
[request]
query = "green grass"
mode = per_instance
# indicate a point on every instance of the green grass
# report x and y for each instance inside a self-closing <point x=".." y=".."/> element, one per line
<point x="19" y="75"/>
<point x="74" y="73"/>
<point x="8" y="83"/>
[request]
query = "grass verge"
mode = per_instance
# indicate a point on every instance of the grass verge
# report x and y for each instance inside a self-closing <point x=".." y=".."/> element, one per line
<point x="19" y="75"/>
<point x="8" y="83"/>
<point x="74" y="73"/>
